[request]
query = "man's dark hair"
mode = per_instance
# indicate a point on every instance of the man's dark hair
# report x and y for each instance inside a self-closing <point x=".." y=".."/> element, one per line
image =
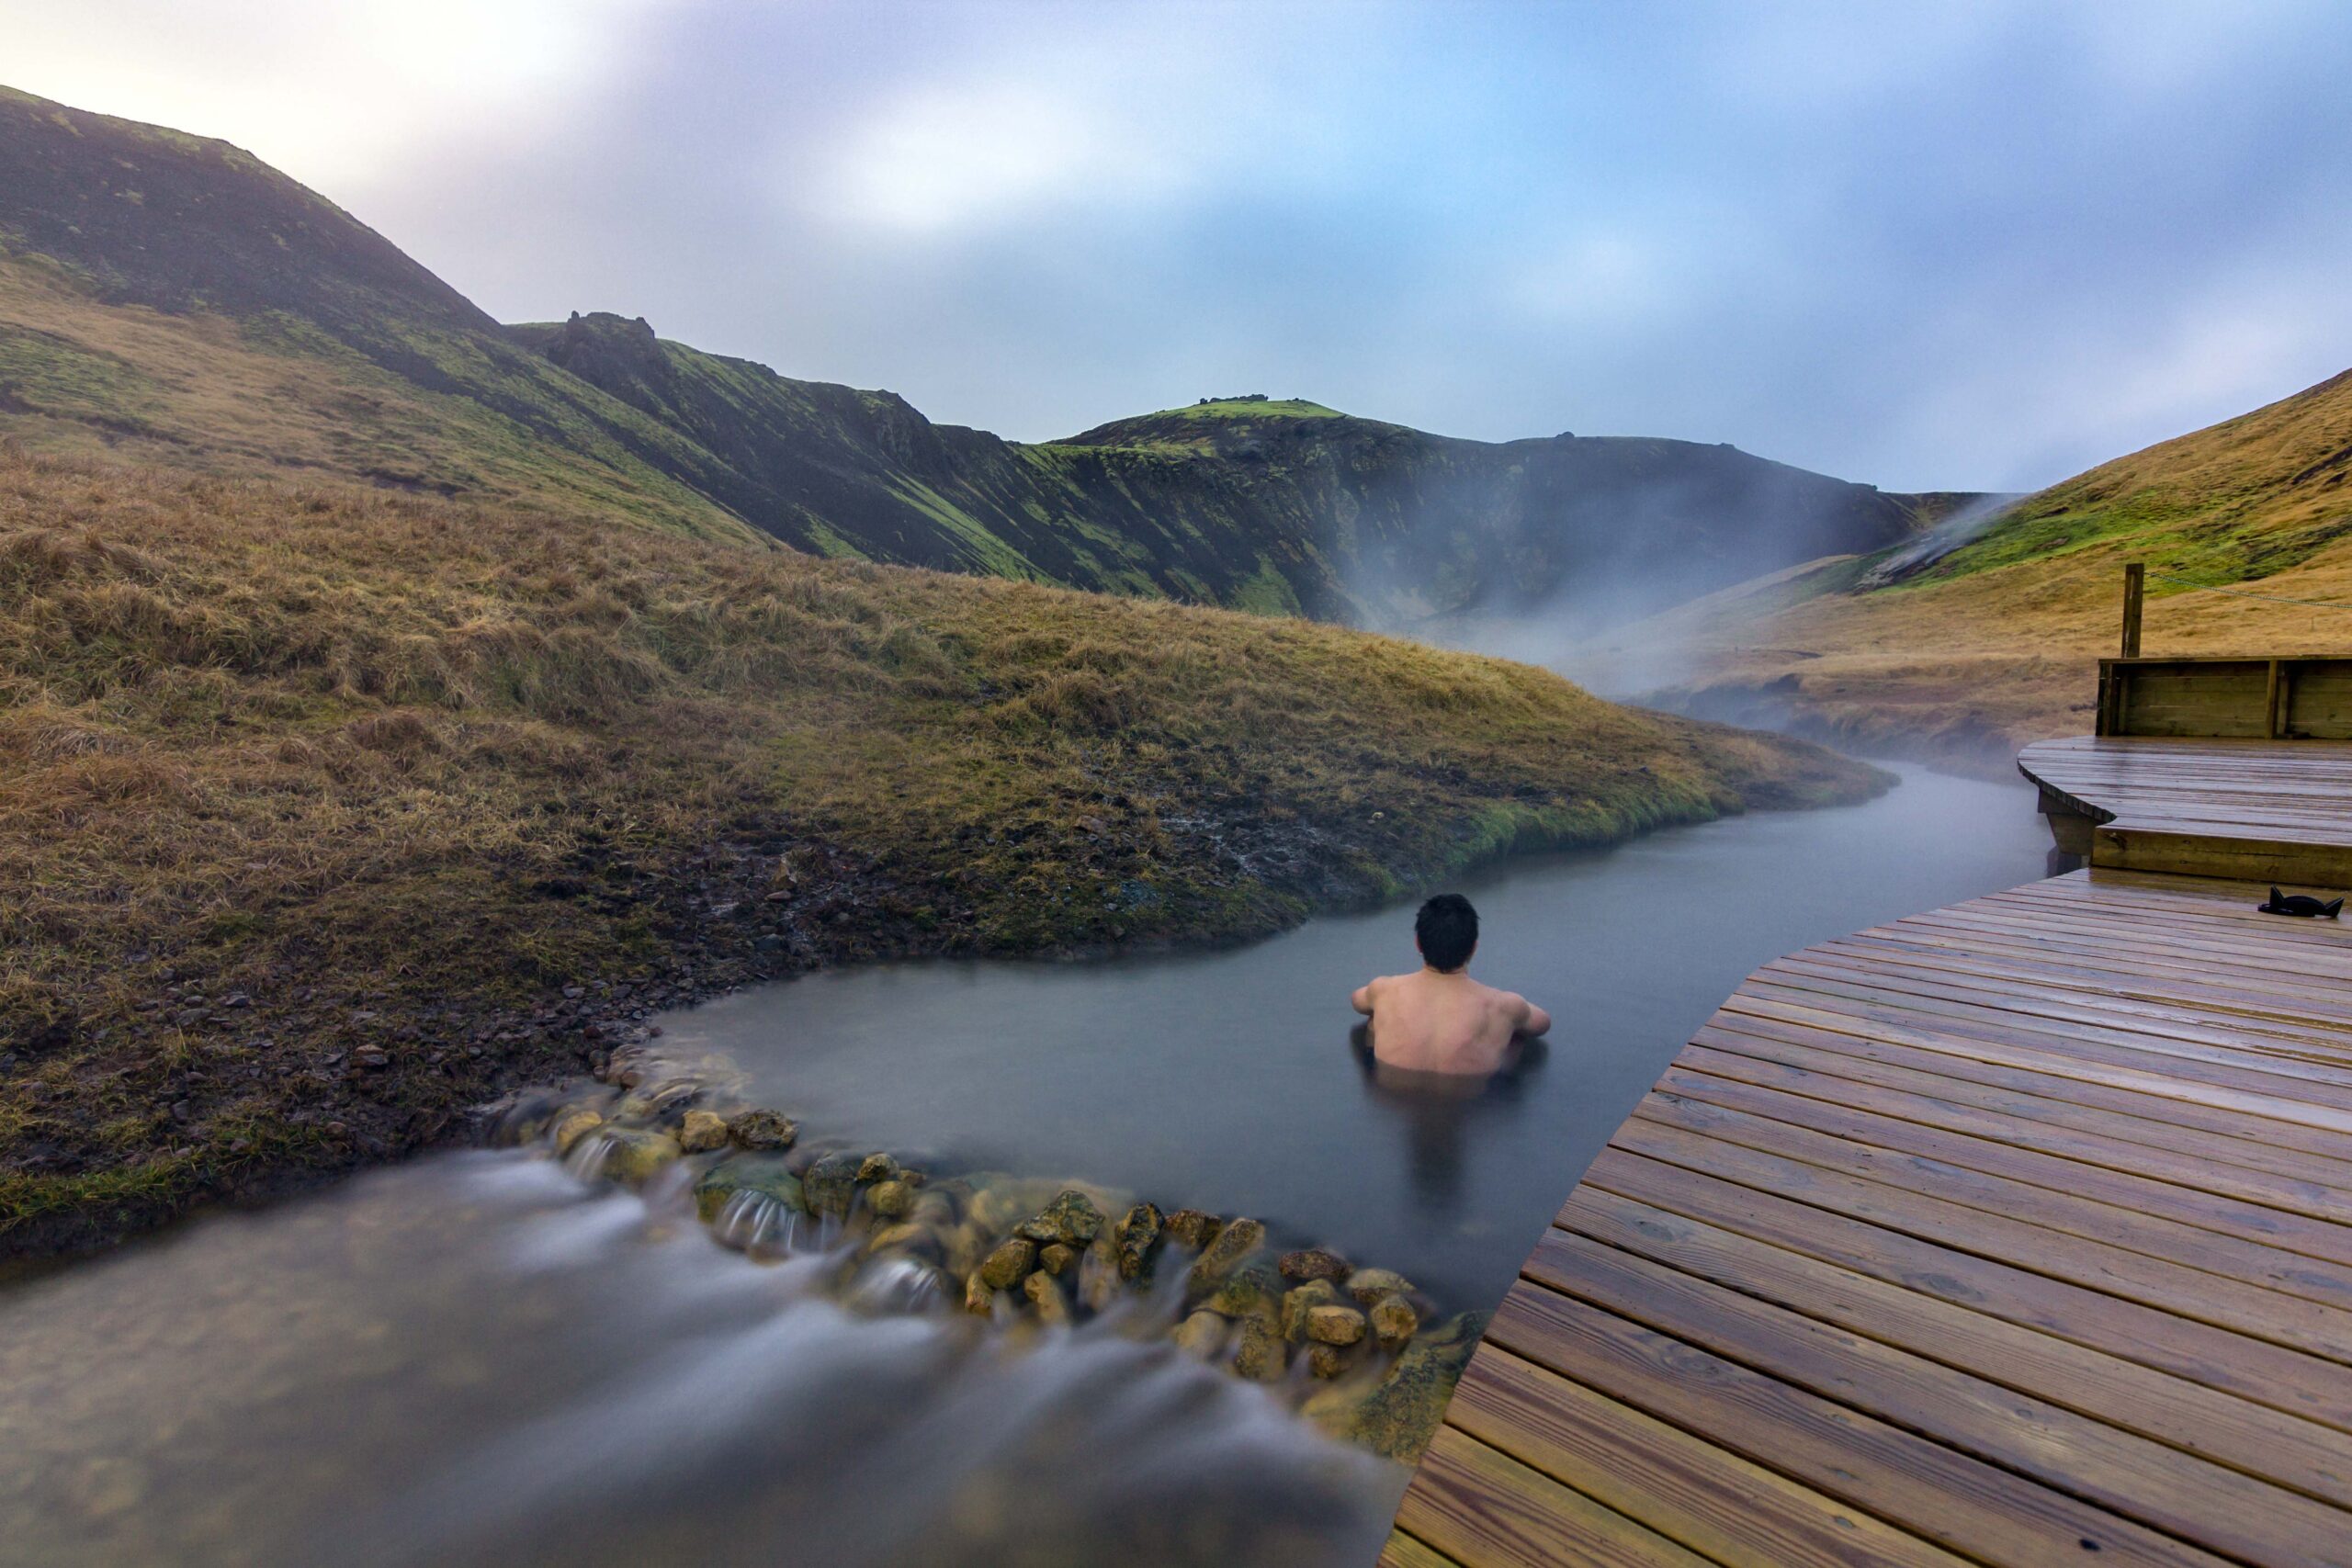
<point x="1447" y="928"/>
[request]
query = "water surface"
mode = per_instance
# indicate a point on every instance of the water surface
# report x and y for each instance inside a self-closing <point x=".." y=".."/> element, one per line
<point x="1226" y="1081"/>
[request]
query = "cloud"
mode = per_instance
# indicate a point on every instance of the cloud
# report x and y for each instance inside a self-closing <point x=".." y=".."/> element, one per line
<point x="338" y="95"/>
<point x="1977" y="245"/>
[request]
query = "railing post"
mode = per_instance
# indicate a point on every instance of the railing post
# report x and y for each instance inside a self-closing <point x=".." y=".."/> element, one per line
<point x="2135" y="583"/>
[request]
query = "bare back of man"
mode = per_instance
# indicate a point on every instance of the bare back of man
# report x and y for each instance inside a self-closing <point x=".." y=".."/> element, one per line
<point x="1438" y="1020"/>
<point x="1435" y="1022"/>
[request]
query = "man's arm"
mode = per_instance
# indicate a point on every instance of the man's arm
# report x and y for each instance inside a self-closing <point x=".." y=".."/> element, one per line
<point x="1533" y="1020"/>
<point x="1361" y="999"/>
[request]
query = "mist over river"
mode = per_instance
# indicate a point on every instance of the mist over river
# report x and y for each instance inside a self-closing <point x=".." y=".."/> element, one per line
<point x="480" y="1359"/>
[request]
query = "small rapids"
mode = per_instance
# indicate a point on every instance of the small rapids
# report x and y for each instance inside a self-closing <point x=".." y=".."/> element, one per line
<point x="482" y="1359"/>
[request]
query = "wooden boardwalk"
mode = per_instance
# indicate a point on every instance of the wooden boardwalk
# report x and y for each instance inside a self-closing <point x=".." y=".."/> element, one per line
<point x="2257" y="809"/>
<point x="2017" y="1231"/>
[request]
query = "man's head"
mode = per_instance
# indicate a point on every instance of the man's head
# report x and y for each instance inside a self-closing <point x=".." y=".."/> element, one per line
<point x="1447" y="930"/>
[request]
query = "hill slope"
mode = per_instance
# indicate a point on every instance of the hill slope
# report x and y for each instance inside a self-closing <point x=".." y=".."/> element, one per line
<point x="1996" y="643"/>
<point x="314" y="800"/>
<point x="176" y="296"/>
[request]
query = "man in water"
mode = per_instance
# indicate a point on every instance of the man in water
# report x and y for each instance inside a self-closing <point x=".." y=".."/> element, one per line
<point x="1439" y="1019"/>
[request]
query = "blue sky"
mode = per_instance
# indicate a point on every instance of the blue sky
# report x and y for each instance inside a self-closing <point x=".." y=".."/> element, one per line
<point x="1965" y="246"/>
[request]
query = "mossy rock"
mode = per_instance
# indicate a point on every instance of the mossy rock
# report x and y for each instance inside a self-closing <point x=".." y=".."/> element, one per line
<point x="1071" y="1220"/>
<point x="633" y="1155"/>
<point x="1136" y="1240"/>
<point x="1400" y="1416"/>
<point x="762" y="1174"/>
<point x="830" y="1184"/>
<point x="1253" y="1291"/>
<point x="1232" y="1247"/>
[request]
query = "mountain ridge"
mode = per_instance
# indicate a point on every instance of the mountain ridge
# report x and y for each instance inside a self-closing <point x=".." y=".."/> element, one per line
<point x="125" y="235"/>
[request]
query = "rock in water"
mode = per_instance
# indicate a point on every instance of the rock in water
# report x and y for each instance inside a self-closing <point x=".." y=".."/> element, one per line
<point x="572" y="1127"/>
<point x="1368" y="1285"/>
<point x="1255" y="1291"/>
<point x="1394" y="1320"/>
<point x="1201" y="1336"/>
<point x="1136" y="1237"/>
<point x="877" y="1167"/>
<point x="1056" y="1259"/>
<point x="1098" y="1275"/>
<point x="762" y="1130"/>
<point x="1325" y="1360"/>
<point x="1302" y="1300"/>
<point x="631" y="1157"/>
<point x="702" y="1132"/>
<point x="1315" y="1263"/>
<point x="980" y="1299"/>
<point x="1070" y="1219"/>
<point x="891" y="1200"/>
<point x="831" y="1184"/>
<point x="1334" y="1325"/>
<point x="1235" y="1243"/>
<point x="1047" y="1294"/>
<point x="763" y="1175"/>
<point x="1260" y="1355"/>
<point x="1402" y="1416"/>
<point x="1192" y="1227"/>
<point x="1014" y="1257"/>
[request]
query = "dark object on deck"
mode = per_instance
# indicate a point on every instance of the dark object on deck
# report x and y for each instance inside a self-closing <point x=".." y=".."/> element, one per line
<point x="2301" y="903"/>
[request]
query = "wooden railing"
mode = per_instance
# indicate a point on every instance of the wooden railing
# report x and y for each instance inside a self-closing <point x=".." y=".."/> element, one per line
<point x="2291" y="697"/>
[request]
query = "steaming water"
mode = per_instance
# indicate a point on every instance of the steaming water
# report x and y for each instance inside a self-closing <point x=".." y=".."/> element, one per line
<point x="478" y="1358"/>
<point x="1228" y="1081"/>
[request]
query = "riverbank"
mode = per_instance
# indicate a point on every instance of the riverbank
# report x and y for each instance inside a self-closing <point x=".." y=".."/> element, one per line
<point x="326" y="814"/>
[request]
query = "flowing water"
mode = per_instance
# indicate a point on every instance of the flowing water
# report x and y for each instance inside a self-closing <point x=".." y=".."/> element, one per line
<point x="481" y="1358"/>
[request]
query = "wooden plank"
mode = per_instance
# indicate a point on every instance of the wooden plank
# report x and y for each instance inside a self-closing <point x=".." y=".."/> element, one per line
<point x="2160" y="1282"/>
<point x="2220" y="1163"/>
<point x="2285" y="1379"/>
<point x="2019" y="1127"/>
<point x="2227" y="1430"/>
<point x="2225" y="1512"/>
<point x="1977" y="1510"/>
<point x="2289" y="1147"/>
<point x="1710" y="1500"/>
<point x="1474" y="1504"/>
<point x="2171" y="1077"/>
<point x="2099" y="1220"/>
<point x="2014" y="1159"/>
<point x="1403" y="1551"/>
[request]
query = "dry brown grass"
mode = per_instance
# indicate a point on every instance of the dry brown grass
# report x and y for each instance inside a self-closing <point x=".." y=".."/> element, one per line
<point x="392" y="770"/>
<point x="2000" y="645"/>
<point x="272" y="397"/>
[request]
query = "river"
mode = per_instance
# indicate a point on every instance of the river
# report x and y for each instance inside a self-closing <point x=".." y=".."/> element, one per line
<point x="478" y="1358"/>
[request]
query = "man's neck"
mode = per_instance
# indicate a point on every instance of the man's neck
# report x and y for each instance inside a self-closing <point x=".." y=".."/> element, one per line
<point x="1432" y="969"/>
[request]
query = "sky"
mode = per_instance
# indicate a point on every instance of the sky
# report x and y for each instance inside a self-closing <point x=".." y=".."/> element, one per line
<point x="1930" y="246"/>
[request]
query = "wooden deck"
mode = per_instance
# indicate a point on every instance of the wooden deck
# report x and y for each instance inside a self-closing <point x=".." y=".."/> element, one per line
<point x="2261" y="810"/>
<point x="2017" y="1231"/>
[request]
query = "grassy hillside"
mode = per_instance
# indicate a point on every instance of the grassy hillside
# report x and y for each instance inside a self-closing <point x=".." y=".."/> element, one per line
<point x="164" y="291"/>
<point x="1995" y="644"/>
<point x="326" y="812"/>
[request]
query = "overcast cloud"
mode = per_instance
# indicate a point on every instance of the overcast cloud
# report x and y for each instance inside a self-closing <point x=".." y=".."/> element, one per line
<point x="1971" y="246"/>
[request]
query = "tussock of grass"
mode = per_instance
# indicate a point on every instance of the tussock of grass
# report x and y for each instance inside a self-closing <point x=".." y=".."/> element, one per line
<point x="392" y="770"/>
